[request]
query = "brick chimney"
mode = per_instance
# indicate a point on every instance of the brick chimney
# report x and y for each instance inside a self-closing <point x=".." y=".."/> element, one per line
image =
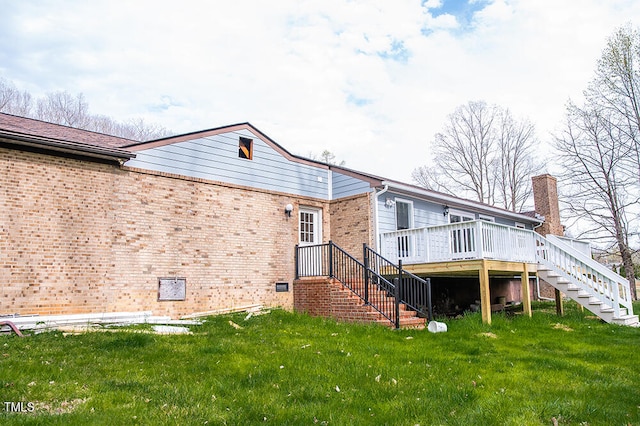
<point x="545" y="199"/>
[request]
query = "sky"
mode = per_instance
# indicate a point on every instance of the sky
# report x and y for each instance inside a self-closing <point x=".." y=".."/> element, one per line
<point x="371" y="81"/>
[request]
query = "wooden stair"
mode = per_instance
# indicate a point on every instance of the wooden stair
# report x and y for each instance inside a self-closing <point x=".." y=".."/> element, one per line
<point x="599" y="308"/>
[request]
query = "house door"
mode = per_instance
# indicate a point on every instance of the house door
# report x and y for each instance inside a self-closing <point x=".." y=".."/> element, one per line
<point x="463" y="237"/>
<point x="404" y="220"/>
<point x="310" y="234"/>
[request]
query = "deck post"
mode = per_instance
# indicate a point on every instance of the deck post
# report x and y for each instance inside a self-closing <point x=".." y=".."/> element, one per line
<point x="559" y="306"/>
<point x="485" y="295"/>
<point x="526" y="295"/>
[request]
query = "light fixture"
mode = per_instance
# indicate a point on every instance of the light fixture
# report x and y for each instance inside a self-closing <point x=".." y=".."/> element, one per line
<point x="389" y="203"/>
<point x="288" y="209"/>
<point x="445" y="210"/>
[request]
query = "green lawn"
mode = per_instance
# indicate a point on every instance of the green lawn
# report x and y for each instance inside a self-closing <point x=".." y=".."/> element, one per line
<point x="285" y="368"/>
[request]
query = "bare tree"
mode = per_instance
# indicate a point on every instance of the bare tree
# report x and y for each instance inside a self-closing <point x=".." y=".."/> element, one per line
<point x="69" y="110"/>
<point x="430" y="177"/>
<point x="599" y="178"/>
<point x="13" y="101"/>
<point x="139" y="130"/>
<point x="517" y="144"/>
<point x="483" y="153"/>
<point x="326" y="157"/>
<point x="63" y="108"/>
<point x="604" y="188"/>
<point x="463" y="151"/>
<point x="616" y="86"/>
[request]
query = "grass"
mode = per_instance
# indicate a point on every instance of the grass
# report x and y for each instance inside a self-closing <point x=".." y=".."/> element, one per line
<point x="290" y="369"/>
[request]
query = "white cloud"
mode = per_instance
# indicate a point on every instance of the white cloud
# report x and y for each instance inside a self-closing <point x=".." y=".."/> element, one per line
<point x="371" y="81"/>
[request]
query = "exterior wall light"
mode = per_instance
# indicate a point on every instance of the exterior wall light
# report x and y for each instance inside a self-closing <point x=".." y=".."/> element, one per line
<point x="445" y="210"/>
<point x="288" y="209"/>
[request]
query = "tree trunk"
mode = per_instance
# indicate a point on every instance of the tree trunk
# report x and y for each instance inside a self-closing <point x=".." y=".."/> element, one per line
<point x="629" y="269"/>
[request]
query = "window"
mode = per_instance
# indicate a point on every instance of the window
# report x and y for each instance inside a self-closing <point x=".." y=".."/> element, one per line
<point x="245" y="148"/>
<point x="521" y="225"/>
<point x="456" y="216"/>
<point x="487" y="218"/>
<point x="404" y="214"/>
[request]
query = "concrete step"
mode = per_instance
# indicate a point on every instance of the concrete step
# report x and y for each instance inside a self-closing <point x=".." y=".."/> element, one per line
<point x="626" y="320"/>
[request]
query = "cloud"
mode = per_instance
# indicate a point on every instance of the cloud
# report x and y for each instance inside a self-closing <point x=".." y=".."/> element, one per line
<point x="371" y="81"/>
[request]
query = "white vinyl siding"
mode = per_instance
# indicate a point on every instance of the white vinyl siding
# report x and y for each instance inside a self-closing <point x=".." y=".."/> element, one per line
<point x="216" y="158"/>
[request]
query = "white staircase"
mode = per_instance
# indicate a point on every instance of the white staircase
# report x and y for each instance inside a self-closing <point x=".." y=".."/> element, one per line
<point x="586" y="281"/>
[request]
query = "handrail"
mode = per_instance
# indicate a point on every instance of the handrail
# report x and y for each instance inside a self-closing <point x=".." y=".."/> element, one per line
<point x="377" y="281"/>
<point x="332" y="261"/>
<point x="415" y="291"/>
<point x="585" y="273"/>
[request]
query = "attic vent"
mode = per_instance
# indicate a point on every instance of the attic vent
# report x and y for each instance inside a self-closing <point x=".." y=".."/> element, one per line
<point x="245" y="148"/>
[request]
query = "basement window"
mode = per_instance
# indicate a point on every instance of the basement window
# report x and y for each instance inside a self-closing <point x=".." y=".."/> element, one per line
<point x="245" y="148"/>
<point x="282" y="286"/>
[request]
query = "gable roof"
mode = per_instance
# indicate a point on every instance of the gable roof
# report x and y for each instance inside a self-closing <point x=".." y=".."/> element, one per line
<point x="138" y="146"/>
<point x="372" y="180"/>
<point x="31" y="133"/>
<point x="35" y="133"/>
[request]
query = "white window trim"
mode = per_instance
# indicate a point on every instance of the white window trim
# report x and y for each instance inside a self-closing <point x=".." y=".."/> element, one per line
<point x="318" y="231"/>
<point x="520" y="225"/>
<point x="395" y="213"/>
<point x="462" y="214"/>
<point x="487" y="218"/>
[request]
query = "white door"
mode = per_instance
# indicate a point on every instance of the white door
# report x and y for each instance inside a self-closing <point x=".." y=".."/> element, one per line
<point x="310" y="226"/>
<point x="404" y="220"/>
<point x="310" y="234"/>
<point x="463" y="237"/>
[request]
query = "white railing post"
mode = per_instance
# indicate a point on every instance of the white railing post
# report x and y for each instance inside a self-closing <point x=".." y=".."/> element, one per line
<point x="479" y="240"/>
<point x="427" y="251"/>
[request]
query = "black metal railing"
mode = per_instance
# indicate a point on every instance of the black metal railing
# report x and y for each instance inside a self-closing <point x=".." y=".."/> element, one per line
<point x="377" y="281"/>
<point x="414" y="291"/>
<point x="332" y="261"/>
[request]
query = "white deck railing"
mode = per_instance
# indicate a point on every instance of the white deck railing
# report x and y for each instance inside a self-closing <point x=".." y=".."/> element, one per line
<point x="585" y="273"/>
<point x="476" y="239"/>
<point x="486" y="240"/>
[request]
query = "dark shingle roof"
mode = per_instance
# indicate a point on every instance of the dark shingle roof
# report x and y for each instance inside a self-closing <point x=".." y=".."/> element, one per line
<point x="35" y="134"/>
<point x="31" y="127"/>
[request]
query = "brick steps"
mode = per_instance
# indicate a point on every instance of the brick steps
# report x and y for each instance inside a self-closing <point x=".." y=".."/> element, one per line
<point x="329" y="298"/>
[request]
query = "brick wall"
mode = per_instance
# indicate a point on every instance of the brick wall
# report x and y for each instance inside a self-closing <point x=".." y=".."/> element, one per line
<point x="352" y="223"/>
<point x="54" y="256"/>
<point x="318" y="296"/>
<point x="77" y="236"/>
<point x="545" y="194"/>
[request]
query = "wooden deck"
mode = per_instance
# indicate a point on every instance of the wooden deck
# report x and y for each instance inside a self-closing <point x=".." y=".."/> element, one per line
<point x="483" y="269"/>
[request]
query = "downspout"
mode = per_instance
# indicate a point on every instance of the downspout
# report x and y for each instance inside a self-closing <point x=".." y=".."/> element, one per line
<point x="375" y="209"/>
<point x="538" y="277"/>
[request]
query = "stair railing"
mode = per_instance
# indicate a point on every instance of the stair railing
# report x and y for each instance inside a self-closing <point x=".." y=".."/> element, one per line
<point x="332" y="261"/>
<point x="585" y="273"/>
<point x="378" y="282"/>
<point x="415" y="292"/>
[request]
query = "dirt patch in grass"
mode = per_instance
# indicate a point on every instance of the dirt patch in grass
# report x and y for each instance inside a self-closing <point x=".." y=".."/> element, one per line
<point x="58" y="407"/>
<point x="559" y="326"/>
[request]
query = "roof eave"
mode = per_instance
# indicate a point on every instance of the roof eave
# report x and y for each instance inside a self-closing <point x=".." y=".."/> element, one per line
<point x="452" y="201"/>
<point x="86" y="150"/>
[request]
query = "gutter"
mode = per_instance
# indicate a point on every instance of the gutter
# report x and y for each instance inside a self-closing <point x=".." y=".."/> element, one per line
<point x="376" y="224"/>
<point x="76" y="148"/>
